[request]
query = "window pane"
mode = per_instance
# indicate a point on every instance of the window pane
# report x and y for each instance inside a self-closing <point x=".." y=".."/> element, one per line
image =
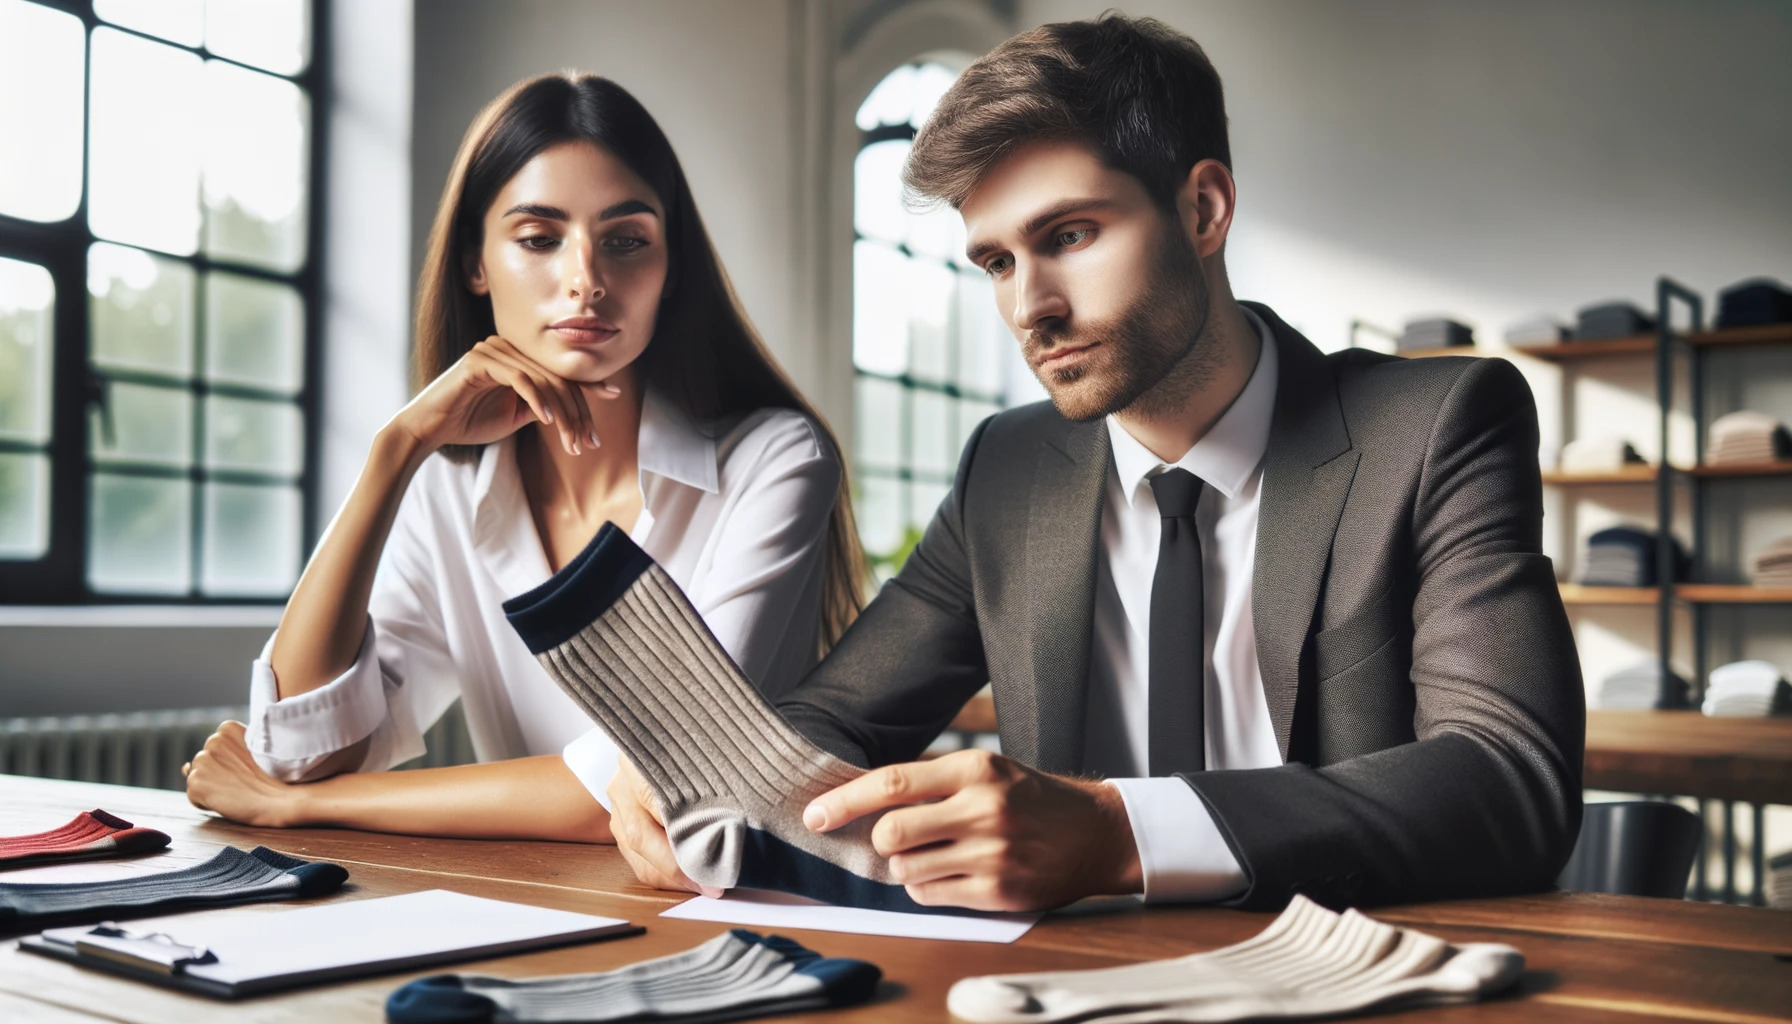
<point x="931" y="82"/>
<point x="933" y="452"/>
<point x="879" y="311"/>
<point x="251" y="539"/>
<point x="969" y="415"/>
<point x="144" y="177"/>
<point x="266" y="437"/>
<point x="139" y="535"/>
<point x="148" y="424"/>
<point x="877" y="422"/>
<point x="24" y="506"/>
<point x="180" y="21"/>
<point x="43" y="62"/>
<point x="27" y="318"/>
<point x="254" y="333"/>
<point x="929" y="292"/>
<point x="255" y="173"/>
<point x="981" y="336"/>
<point x="141" y="311"/>
<point x="877" y="206"/>
<point x="892" y="102"/>
<point x="272" y="34"/>
<point x="938" y="231"/>
<point x="924" y="500"/>
<point x="879" y="512"/>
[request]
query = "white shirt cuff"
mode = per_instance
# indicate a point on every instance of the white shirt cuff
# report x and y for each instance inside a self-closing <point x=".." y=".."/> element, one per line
<point x="1181" y="852"/>
<point x="593" y="760"/>
<point x="289" y="737"/>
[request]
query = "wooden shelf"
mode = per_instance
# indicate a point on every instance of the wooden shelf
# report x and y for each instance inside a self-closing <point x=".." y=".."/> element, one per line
<point x="1731" y="593"/>
<point x="1779" y="467"/>
<point x="1448" y="350"/>
<point x="1763" y="334"/>
<point x="1640" y="473"/>
<point x="1567" y="350"/>
<point x="1575" y="593"/>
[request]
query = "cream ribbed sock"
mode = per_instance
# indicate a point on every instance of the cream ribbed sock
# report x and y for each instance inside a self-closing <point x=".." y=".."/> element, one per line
<point x="730" y="775"/>
<point x="1310" y="962"/>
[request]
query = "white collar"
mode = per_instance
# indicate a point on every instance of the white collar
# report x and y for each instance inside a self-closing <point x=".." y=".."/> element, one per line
<point x="1229" y="453"/>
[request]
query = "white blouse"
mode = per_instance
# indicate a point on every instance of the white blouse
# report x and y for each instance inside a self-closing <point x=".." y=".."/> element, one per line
<point x="737" y="516"/>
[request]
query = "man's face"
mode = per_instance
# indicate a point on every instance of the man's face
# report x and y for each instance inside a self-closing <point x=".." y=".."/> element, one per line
<point x="1100" y="285"/>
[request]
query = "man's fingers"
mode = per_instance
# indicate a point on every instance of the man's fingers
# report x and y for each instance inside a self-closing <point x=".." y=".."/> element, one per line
<point x="910" y="828"/>
<point x="892" y="786"/>
<point x="949" y="860"/>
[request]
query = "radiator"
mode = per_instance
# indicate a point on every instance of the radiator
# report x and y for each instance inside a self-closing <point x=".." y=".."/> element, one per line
<point x="147" y="748"/>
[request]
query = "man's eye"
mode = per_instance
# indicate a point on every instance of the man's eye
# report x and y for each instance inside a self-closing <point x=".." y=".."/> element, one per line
<point x="996" y="266"/>
<point x="1074" y="236"/>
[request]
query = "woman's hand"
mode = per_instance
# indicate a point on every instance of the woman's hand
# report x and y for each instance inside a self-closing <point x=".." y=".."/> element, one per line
<point x="641" y="836"/>
<point x="492" y="392"/>
<point x="223" y="777"/>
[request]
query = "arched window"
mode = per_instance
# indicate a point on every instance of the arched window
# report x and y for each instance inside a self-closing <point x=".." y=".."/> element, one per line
<point x="930" y="356"/>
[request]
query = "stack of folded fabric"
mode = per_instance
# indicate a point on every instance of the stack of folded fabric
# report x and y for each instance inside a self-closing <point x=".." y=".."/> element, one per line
<point x="1638" y="687"/>
<point x="1624" y="556"/>
<point x="1438" y="332"/>
<point x="1747" y="436"/>
<point x="1773" y="564"/>
<point x="1598" y="454"/>
<point x="1759" y="300"/>
<point x="1779" y="881"/>
<point x="1747" y="689"/>
<point x="1538" y="330"/>
<point x="1611" y="320"/>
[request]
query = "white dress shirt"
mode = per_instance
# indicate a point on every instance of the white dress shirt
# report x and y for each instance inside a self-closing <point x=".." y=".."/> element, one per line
<point x="737" y="516"/>
<point x="1181" y="851"/>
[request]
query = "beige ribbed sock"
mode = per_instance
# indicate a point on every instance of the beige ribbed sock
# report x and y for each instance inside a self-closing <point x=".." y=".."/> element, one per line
<point x="1310" y="962"/>
<point x="730" y="775"/>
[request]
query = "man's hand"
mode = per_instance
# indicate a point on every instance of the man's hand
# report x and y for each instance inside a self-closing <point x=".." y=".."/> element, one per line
<point x="979" y="830"/>
<point x="223" y="777"/>
<point x="641" y="835"/>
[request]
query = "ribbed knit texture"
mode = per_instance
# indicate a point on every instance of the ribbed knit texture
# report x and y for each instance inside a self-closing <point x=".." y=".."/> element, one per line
<point x="231" y="876"/>
<point x="1310" y="962"/>
<point x="91" y="834"/>
<point x="736" y="974"/>
<point x="730" y="775"/>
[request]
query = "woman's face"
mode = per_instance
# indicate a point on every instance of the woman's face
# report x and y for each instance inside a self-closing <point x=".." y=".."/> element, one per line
<point x="574" y="260"/>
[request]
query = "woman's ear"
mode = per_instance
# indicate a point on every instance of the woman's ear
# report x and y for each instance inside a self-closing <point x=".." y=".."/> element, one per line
<point x="473" y="270"/>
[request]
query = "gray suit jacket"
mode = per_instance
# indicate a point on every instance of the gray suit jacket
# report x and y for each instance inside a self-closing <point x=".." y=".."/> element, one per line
<point x="1418" y="665"/>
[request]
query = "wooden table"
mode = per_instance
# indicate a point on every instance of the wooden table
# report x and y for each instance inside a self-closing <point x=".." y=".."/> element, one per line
<point x="1688" y="754"/>
<point x="1590" y="958"/>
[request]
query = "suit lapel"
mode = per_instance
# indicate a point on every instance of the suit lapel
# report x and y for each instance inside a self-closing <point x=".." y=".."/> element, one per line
<point x="1063" y="542"/>
<point x="1307" y="472"/>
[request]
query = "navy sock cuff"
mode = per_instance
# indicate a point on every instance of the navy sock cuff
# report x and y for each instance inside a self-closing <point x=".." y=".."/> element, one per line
<point x="316" y="878"/>
<point x="438" y="1000"/>
<point x="574" y="597"/>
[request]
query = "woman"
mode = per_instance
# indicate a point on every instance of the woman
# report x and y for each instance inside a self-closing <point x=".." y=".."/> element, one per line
<point x="617" y="379"/>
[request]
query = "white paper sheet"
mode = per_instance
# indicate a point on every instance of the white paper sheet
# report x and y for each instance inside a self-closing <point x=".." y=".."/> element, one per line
<point x="763" y="909"/>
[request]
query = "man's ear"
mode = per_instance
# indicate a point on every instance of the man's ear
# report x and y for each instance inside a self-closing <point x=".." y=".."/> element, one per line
<point x="473" y="270"/>
<point x="1205" y="204"/>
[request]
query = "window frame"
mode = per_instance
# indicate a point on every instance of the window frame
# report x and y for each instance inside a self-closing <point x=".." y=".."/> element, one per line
<point x="61" y="247"/>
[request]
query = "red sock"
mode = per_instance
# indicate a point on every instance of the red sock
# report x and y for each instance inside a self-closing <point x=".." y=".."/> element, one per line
<point x="92" y="834"/>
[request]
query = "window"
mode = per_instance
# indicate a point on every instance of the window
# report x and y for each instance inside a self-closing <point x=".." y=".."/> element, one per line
<point x="157" y="298"/>
<point x="931" y="358"/>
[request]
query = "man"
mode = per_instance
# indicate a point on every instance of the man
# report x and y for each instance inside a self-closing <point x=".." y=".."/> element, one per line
<point x="1291" y="607"/>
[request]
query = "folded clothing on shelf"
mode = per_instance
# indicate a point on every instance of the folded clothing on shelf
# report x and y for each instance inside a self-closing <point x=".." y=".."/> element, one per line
<point x="1747" y="436"/>
<point x="1779" y="881"/>
<point x="1437" y="332"/>
<point x="1598" y="454"/>
<point x="1772" y="565"/>
<point x="1539" y="330"/>
<point x="1758" y="300"/>
<point x="1611" y="320"/>
<point x="1638" y="687"/>
<point x="1624" y="556"/>
<point x="1747" y="689"/>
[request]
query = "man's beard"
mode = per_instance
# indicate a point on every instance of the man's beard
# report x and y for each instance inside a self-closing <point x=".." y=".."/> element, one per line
<point x="1145" y="360"/>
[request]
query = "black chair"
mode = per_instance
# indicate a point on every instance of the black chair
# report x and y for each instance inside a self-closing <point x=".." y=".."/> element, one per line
<point x="1634" y="848"/>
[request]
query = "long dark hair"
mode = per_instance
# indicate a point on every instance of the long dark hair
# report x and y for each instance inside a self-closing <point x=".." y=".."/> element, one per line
<point x="704" y="355"/>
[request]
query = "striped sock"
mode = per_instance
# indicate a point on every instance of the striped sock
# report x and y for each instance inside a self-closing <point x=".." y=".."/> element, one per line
<point x="1310" y="962"/>
<point x="736" y="974"/>
<point x="231" y="876"/>
<point x="730" y="775"/>
<point x="92" y="834"/>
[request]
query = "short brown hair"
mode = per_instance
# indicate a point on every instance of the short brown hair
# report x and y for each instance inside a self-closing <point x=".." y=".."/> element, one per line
<point x="1141" y="94"/>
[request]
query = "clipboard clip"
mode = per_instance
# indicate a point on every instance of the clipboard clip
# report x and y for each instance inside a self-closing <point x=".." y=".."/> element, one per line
<point x="153" y="951"/>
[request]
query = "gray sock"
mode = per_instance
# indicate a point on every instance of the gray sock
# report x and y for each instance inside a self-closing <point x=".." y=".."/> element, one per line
<point x="730" y="775"/>
<point x="736" y="974"/>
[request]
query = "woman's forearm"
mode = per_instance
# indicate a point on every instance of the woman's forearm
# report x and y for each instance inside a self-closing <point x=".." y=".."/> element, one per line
<point x="326" y="618"/>
<point x="525" y="798"/>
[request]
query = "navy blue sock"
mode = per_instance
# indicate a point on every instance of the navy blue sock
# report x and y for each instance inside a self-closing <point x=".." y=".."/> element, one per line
<point x="231" y="876"/>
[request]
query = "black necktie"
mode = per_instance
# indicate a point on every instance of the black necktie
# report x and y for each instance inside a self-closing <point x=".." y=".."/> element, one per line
<point x="1176" y="680"/>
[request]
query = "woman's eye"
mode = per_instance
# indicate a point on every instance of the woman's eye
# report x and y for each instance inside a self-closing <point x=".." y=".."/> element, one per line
<point x="1074" y="236"/>
<point x="625" y="243"/>
<point x="538" y="243"/>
